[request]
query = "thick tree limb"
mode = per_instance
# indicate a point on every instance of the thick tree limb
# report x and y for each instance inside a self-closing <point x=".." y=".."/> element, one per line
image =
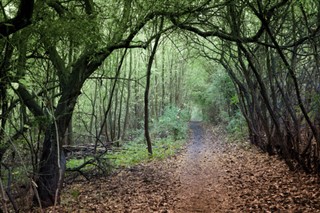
<point x="29" y="101"/>
<point x="57" y="7"/>
<point x="218" y="33"/>
<point x="22" y="19"/>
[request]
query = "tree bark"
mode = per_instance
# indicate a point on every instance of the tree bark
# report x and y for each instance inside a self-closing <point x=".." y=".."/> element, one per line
<point x="146" y="94"/>
<point x="52" y="168"/>
<point x="127" y="117"/>
<point x="52" y="161"/>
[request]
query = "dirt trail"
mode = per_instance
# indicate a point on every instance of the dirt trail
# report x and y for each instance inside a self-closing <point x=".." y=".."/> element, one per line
<point x="209" y="175"/>
<point x="199" y="173"/>
<point x="217" y="176"/>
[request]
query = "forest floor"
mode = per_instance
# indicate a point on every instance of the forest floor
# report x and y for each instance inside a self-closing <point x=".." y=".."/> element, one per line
<point x="208" y="175"/>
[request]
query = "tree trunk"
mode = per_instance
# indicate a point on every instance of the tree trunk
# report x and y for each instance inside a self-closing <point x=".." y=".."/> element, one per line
<point x="52" y="168"/>
<point x="52" y="162"/>
<point x="146" y="94"/>
<point x="126" y="117"/>
<point x="163" y="83"/>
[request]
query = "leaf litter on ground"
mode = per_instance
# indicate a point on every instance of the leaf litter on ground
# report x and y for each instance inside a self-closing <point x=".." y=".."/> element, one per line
<point x="208" y="175"/>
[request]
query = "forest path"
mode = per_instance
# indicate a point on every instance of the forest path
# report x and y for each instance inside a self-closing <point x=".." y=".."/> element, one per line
<point x="199" y="173"/>
<point x="208" y="175"/>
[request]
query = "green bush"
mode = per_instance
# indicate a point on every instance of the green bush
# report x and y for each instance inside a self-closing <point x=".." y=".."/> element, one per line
<point x="237" y="126"/>
<point x="196" y="113"/>
<point x="173" y="123"/>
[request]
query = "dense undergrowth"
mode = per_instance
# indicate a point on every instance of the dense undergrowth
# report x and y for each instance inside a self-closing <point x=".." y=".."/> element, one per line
<point x="168" y="132"/>
<point x="133" y="153"/>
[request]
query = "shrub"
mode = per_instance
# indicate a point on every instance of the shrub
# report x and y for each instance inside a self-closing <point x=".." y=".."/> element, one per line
<point x="134" y="152"/>
<point x="173" y="123"/>
<point x="237" y="126"/>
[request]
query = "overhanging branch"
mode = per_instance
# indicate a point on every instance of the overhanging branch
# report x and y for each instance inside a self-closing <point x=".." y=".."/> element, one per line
<point x="22" y="19"/>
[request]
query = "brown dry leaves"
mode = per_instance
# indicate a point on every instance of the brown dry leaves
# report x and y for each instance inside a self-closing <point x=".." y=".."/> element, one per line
<point x="143" y="188"/>
<point x="260" y="183"/>
<point x="211" y="176"/>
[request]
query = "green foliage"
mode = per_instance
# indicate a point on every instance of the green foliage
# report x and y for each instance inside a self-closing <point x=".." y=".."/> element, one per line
<point x="237" y="127"/>
<point x="315" y="105"/>
<point x="214" y="95"/>
<point x="17" y="173"/>
<point x="77" y="27"/>
<point x="173" y="122"/>
<point x="196" y="113"/>
<point x="135" y="152"/>
<point x="74" y="163"/>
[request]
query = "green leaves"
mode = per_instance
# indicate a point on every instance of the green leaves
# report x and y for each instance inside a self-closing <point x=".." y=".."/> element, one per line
<point x="134" y="152"/>
<point x="173" y="122"/>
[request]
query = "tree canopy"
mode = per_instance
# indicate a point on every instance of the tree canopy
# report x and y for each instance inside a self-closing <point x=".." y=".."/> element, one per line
<point x="75" y="71"/>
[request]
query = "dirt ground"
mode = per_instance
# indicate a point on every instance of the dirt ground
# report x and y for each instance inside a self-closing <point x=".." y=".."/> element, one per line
<point x="208" y="175"/>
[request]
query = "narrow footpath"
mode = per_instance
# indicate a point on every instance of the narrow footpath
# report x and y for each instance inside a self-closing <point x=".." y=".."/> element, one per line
<point x="199" y="173"/>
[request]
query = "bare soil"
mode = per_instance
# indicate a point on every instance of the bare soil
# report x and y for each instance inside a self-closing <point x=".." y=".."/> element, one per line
<point x="208" y="175"/>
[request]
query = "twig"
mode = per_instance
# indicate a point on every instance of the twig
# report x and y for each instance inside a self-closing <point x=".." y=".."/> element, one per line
<point x="3" y="195"/>
<point x="8" y="191"/>
<point x="34" y="187"/>
<point x="88" y="162"/>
